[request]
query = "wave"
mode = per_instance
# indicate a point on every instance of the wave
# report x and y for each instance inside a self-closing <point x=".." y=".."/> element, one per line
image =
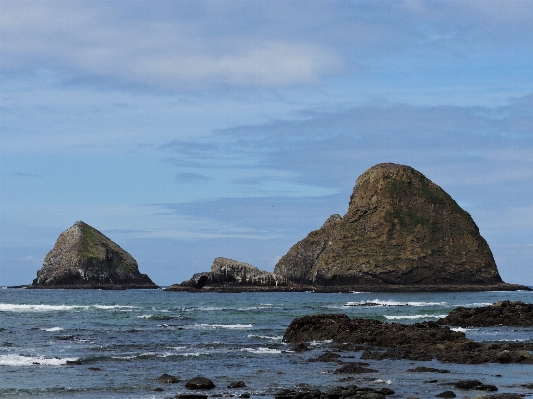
<point x="229" y="326"/>
<point x="261" y="350"/>
<point x="275" y="338"/>
<point x="21" y="360"/>
<point x="377" y="302"/>
<point x="414" y="317"/>
<point x="157" y="317"/>
<point x="11" y="307"/>
<point x="52" y="329"/>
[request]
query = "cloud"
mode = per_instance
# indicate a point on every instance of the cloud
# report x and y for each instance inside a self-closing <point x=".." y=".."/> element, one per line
<point x="198" y="45"/>
<point x="185" y="177"/>
<point x="457" y="146"/>
<point x="115" y="46"/>
<point x="27" y="175"/>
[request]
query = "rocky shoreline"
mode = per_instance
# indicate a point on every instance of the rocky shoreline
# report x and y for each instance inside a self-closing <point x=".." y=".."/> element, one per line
<point x="377" y="341"/>
<point x="431" y="340"/>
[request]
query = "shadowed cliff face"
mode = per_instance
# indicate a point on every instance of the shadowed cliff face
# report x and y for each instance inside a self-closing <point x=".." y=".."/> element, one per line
<point x="400" y="228"/>
<point x="83" y="258"/>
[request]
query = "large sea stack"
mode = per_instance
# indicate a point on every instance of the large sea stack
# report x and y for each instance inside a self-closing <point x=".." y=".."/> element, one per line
<point x="400" y="229"/>
<point x="85" y="258"/>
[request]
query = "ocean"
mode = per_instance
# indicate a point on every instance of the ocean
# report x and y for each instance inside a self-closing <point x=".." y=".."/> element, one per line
<point x="114" y="344"/>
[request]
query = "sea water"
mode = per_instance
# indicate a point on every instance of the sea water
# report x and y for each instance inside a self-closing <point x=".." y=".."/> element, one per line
<point x="114" y="344"/>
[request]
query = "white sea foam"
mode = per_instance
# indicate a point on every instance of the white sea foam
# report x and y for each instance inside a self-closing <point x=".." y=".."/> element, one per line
<point x="378" y="302"/>
<point x="229" y="326"/>
<point x="414" y="317"/>
<point x="113" y="307"/>
<point x="274" y="338"/>
<point x="459" y="329"/>
<point x="261" y="350"/>
<point x="144" y="316"/>
<point x="21" y="360"/>
<point x="52" y="329"/>
<point x="11" y="307"/>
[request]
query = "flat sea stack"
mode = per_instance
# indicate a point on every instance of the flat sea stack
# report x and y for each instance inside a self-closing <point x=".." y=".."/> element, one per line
<point x="400" y="229"/>
<point x="85" y="258"/>
<point x="227" y="275"/>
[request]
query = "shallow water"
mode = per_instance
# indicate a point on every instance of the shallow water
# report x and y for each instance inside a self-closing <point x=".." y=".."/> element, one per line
<point x="126" y="339"/>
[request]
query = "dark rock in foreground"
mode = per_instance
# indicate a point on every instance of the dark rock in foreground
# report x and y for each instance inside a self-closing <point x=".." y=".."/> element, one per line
<point x="350" y="391"/>
<point x="167" y="379"/>
<point x="400" y="229"/>
<point x="420" y="341"/>
<point x="423" y="369"/>
<point x="83" y="257"/>
<point x="505" y="313"/>
<point x="200" y="383"/>
<point x="340" y="328"/>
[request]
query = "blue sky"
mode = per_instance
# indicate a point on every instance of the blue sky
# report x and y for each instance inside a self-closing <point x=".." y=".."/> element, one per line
<point x="195" y="129"/>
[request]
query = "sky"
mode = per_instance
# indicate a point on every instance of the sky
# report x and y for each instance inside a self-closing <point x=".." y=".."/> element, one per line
<point x="190" y="130"/>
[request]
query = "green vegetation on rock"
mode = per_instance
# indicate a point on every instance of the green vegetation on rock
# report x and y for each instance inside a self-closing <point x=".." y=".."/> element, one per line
<point x="85" y="258"/>
<point x="400" y="228"/>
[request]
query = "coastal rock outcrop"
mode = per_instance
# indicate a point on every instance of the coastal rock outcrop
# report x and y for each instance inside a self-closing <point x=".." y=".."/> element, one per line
<point x="400" y="229"/>
<point x="234" y="273"/>
<point x="83" y="257"/>
<point x="420" y="341"/>
<point x="504" y="313"/>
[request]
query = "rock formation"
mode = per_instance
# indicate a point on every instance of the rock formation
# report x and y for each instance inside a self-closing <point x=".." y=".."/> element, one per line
<point x="85" y="258"/>
<point x="231" y="272"/>
<point x="504" y="313"/>
<point x="400" y="229"/>
<point x="420" y="341"/>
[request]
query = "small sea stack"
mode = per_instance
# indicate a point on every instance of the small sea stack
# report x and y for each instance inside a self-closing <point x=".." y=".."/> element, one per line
<point x="228" y="274"/>
<point x="83" y="257"/>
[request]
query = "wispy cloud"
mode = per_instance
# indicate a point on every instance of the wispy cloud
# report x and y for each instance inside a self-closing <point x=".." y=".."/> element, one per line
<point x="28" y="175"/>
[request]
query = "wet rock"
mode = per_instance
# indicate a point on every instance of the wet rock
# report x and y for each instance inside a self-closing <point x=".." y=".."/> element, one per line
<point x="301" y="347"/>
<point x="167" y="379"/>
<point x="350" y="391"/>
<point x="237" y="384"/>
<point x="328" y="357"/>
<point x="200" y="383"/>
<point x="446" y="394"/>
<point x="467" y="384"/>
<point x="340" y="328"/>
<point x="423" y="369"/>
<point x="244" y="395"/>
<point x="505" y="313"/>
<point x="486" y="387"/>
<point x="372" y="395"/>
<point x="354" y="368"/>
<point x="500" y="396"/>
<point x="504" y="356"/>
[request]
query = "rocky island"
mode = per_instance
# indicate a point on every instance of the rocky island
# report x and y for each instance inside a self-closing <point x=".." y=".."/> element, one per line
<point x="231" y="275"/>
<point x="402" y="232"/>
<point x="83" y="257"/>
